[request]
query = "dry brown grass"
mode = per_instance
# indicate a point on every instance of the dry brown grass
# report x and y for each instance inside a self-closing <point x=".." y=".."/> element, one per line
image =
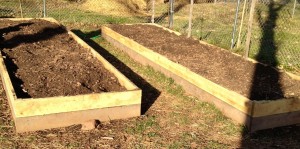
<point x="116" y="7"/>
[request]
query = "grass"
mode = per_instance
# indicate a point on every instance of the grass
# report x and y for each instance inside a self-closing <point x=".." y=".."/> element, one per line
<point x="182" y="108"/>
<point x="170" y="87"/>
<point x="215" y="144"/>
<point x="89" y="17"/>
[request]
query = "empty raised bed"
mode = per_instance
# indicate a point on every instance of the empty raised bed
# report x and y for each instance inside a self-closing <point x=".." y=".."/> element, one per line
<point x="251" y="93"/>
<point x="53" y="79"/>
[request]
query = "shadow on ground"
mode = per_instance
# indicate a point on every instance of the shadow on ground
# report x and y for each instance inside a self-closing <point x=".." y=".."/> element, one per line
<point x="281" y="137"/>
<point x="149" y="93"/>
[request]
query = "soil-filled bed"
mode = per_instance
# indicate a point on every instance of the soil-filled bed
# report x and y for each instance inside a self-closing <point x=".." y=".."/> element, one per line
<point x="252" y="80"/>
<point x="43" y="60"/>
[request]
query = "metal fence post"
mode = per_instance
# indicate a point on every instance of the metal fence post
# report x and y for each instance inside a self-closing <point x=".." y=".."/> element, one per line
<point x="249" y="29"/>
<point x="44" y="8"/>
<point x="235" y="22"/>
<point x="171" y="13"/>
<point x="190" y="19"/>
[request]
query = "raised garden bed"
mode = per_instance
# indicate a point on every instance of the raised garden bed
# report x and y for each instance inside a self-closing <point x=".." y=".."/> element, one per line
<point x="52" y="78"/>
<point x="251" y="93"/>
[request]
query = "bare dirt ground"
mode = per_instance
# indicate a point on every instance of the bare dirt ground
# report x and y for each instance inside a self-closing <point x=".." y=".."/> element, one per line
<point x="44" y="61"/>
<point x="255" y="81"/>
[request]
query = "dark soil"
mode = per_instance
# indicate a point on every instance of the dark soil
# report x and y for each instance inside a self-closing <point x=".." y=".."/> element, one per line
<point x="43" y="60"/>
<point x="255" y="81"/>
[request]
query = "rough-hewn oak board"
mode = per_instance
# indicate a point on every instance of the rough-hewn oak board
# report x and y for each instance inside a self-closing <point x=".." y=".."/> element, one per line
<point x="256" y="115"/>
<point x="32" y="114"/>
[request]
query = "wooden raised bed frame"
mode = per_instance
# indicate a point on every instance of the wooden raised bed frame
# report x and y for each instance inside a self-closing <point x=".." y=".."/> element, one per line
<point x="32" y="114"/>
<point x="256" y="115"/>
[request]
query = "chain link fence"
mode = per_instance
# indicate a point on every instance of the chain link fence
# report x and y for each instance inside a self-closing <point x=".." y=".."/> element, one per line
<point x="80" y="12"/>
<point x="21" y="8"/>
<point x="276" y="33"/>
<point x="275" y="37"/>
<point x="97" y="12"/>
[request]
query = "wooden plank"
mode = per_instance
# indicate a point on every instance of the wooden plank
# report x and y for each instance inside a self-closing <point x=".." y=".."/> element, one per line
<point x="264" y="108"/>
<point x="55" y="120"/>
<point x="17" y="19"/>
<point x="293" y="76"/>
<point x="41" y="113"/>
<point x="7" y="85"/>
<point x="264" y="116"/>
<point x="259" y="114"/>
<point x="238" y="101"/>
<point x="189" y="87"/>
<point x="121" y="78"/>
<point x="167" y="29"/>
<point x="42" y="106"/>
<point x="249" y="28"/>
<point x="27" y="19"/>
<point x="275" y="120"/>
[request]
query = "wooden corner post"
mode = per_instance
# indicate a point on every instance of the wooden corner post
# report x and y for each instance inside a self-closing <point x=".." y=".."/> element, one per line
<point x="249" y="29"/>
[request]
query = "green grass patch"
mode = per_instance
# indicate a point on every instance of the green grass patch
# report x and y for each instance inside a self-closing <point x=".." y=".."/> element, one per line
<point x="186" y="106"/>
<point x="89" y="17"/>
<point x="145" y="127"/>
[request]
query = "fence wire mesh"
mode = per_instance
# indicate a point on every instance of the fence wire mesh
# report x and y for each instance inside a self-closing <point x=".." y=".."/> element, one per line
<point x="98" y="12"/>
<point x="21" y="8"/>
<point x="275" y="33"/>
<point x="161" y="12"/>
